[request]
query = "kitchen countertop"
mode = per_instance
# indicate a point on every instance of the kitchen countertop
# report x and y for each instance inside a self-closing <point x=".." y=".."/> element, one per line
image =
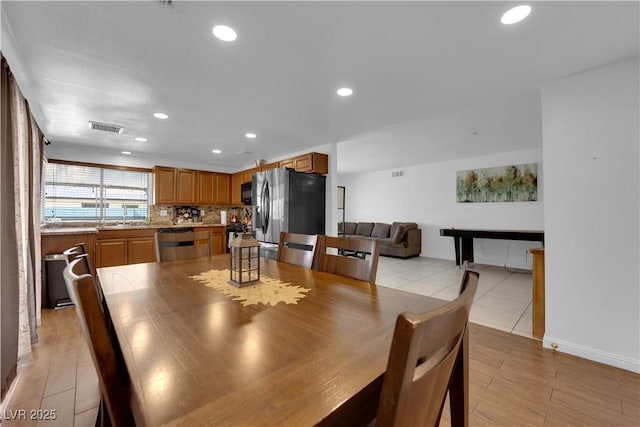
<point x="54" y="230"/>
<point x="68" y="230"/>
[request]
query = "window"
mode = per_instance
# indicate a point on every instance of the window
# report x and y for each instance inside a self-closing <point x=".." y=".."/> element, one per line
<point x="77" y="192"/>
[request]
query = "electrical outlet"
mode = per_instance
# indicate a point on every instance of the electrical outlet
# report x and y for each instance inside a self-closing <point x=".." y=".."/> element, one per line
<point x="163" y="212"/>
<point x="202" y="212"/>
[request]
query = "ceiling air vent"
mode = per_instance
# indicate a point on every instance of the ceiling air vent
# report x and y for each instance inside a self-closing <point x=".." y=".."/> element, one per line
<point x="396" y="174"/>
<point x="105" y="127"/>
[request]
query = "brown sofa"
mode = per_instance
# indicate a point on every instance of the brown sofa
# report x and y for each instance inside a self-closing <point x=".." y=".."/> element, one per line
<point x="400" y="239"/>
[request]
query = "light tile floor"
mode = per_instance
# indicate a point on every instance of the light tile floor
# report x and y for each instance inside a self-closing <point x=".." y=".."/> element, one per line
<point x="503" y="299"/>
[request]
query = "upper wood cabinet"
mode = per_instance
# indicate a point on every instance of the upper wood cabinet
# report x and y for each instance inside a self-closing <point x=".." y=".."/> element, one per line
<point x="206" y="185"/>
<point x="164" y="184"/>
<point x="236" y="188"/>
<point x="268" y="166"/>
<point x="310" y="162"/>
<point x="222" y="194"/>
<point x="185" y="186"/>
<point x="190" y="187"/>
<point x="248" y="174"/>
<point x="289" y="163"/>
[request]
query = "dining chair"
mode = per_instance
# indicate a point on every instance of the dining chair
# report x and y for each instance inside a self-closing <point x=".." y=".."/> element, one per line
<point x="364" y="268"/>
<point x="79" y="252"/>
<point x="298" y="249"/>
<point x="429" y="357"/>
<point x="182" y="245"/>
<point x="106" y="356"/>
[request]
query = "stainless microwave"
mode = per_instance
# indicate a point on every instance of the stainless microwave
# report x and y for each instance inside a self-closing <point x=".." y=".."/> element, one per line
<point x="245" y="193"/>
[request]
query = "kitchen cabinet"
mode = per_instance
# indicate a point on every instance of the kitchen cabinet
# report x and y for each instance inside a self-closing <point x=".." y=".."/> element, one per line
<point x="205" y="188"/>
<point x="289" y="163"/>
<point x="126" y="246"/>
<point x="164" y="184"/>
<point x="218" y="238"/>
<point x="310" y="162"/>
<point x="185" y="186"/>
<point x="57" y="241"/>
<point x="141" y="249"/>
<point x="248" y="174"/>
<point x="269" y="166"/>
<point x="222" y="192"/>
<point x="236" y="188"/>
<point x="110" y="252"/>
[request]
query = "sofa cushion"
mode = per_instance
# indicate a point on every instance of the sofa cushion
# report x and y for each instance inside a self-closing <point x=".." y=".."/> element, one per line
<point x="401" y="230"/>
<point x="380" y="230"/>
<point x="364" y="229"/>
<point x="350" y="228"/>
<point x="389" y="243"/>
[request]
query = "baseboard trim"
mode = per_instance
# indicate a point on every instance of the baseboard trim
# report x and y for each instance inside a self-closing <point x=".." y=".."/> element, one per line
<point x="611" y="359"/>
<point x="4" y="405"/>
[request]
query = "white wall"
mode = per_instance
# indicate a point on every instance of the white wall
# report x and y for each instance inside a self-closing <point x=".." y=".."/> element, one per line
<point x="426" y="194"/>
<point x="592" y="202"/>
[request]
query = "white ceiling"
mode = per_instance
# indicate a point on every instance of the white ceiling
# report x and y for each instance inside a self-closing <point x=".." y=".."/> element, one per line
<point x="426" y="76"/>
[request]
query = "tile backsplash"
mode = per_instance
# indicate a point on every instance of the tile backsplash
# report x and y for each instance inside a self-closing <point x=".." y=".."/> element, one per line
<point x="196" y="214"/>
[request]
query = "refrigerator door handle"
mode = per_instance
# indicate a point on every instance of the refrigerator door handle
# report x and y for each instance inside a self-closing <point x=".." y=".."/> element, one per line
<point x="266" y="206"/>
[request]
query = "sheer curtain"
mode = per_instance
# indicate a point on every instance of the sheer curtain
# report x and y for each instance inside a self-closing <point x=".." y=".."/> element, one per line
<point x="25" y="140"/>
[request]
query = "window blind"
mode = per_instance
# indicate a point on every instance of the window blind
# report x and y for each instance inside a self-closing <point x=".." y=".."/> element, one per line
<point x="89" y="193"/>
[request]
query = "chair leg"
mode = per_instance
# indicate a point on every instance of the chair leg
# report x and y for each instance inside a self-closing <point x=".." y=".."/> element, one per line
<point x="459" y="385"/>
<point x="102" y="420"/>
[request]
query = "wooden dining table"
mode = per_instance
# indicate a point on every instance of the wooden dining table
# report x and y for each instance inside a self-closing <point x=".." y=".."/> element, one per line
<point x="300" y="348"/>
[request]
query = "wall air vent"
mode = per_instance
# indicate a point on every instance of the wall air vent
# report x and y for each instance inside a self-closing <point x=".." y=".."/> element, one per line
<point x="105" y="127"/>
<point x="397" y="174"/>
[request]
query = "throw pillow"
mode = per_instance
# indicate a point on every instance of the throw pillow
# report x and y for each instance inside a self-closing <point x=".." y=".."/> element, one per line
<point x="350" y="228"/>
<point x="380" y="230"/>
<point x="364" y="229"/>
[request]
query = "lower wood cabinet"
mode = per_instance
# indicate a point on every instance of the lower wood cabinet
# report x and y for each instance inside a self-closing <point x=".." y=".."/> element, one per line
<point x="141" y="249"/>
<point x="134" y="246"/>
<point x="52" y="244"/>
<point x="218" y="238"/>
<point x="120" y="247"/>
<point x="110" y="252"/>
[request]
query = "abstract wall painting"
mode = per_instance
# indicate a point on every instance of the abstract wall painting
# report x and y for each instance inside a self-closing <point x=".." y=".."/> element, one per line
<point x="515" y="183"/>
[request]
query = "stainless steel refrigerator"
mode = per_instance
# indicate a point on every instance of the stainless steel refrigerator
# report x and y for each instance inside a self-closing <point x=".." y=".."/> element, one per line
<point x="285" y="200"/>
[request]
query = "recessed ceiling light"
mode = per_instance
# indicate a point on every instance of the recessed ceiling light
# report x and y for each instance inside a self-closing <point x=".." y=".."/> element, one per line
<point x="126" y="152"/>
<point x="344" y="91"/>
<point x="216" y="151"/>
<point x="224" y="33"/>
<point x="250" y="135"/>
<point x="160" y="116"/>
<point x="140" y="139"/>
<point x="516" y="14"/>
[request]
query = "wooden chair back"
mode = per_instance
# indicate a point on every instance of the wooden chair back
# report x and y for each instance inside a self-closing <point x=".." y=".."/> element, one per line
<point x="75" y="251"/>
<point x="113" y="379"/>
<point x="298" y="249"/>
<point x="183" y="245"/>
<point x="351" y="266"/>
<point x="83" y="266"/>
<point x="428" y="358"/>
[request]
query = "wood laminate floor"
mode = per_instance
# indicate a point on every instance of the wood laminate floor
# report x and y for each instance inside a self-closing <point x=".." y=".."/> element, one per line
<point x="513" y="381"/>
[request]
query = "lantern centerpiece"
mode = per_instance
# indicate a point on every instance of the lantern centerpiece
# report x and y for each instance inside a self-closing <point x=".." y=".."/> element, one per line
<point x="244" y="259"/>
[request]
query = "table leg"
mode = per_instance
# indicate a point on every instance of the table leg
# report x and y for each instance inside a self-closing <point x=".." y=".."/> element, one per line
<point x="456" y="244"/>
<point x="467" y="249"/>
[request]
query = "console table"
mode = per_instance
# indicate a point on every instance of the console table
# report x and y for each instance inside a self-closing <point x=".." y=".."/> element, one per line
<point x="463" y="239"/>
